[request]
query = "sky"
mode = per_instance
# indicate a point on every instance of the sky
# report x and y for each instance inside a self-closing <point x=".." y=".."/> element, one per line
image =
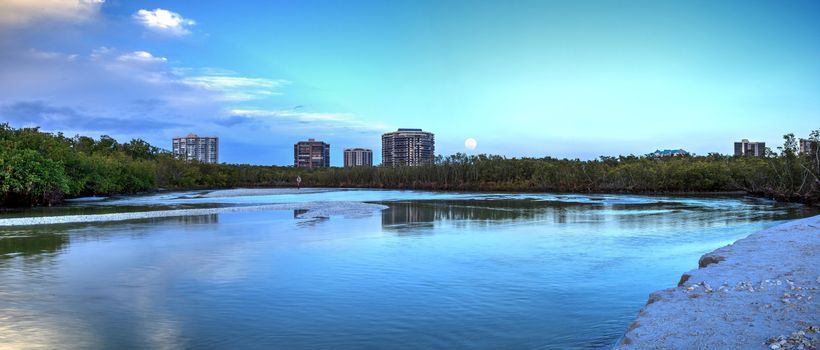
<point x="566" y="79"/>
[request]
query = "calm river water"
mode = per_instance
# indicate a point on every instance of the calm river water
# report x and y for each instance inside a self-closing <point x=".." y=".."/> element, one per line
<point x="434" y="271"/>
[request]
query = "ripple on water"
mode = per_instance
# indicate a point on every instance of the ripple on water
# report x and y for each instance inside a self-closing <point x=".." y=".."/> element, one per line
<point x="433" y="270"/>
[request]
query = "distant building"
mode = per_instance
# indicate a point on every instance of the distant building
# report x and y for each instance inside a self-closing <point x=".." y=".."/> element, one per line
<point x="745" y="148"/>
<point x="808" y="146"/>
<point x="358" y="157"/>
<point x="408" y="147"/>
<point x="669" y="153"/>
<point x="311" y="154"/>
<point x="200" y="148"/>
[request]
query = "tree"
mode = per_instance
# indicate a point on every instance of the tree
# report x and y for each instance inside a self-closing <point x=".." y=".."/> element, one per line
<point x="26" y="177"/>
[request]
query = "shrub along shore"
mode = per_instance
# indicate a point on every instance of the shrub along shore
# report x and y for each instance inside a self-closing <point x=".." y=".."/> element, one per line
<point x="38" y="168"/>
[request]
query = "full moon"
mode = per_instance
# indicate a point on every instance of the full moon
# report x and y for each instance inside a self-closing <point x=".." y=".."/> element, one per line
<point x="470" y="143"/>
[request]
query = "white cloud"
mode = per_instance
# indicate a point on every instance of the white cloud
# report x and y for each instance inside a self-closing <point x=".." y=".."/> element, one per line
<point x="236" y="88"/>
<point x="105" y="91"/>
<point x="141" y="56"/>
<point x="22" y="12"/>
<point x="129" y="94"/>
<point x="120" y="83"/>
<point x="328" y="120"/>
<point x="164" y="21"/>
<point x="51" y="55"/>
<point x="220" y="85"/>
<point x="285" y="114"/>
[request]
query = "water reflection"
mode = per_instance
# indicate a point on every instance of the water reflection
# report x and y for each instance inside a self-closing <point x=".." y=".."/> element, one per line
<point x="455" y="274"/>
<point x="82" y="208"/>
<point x="402" y="215"/>
<point x="32" y="245"/>
<point x="196" y="220"/>
<point x="54" y="239"/>
<point x="413" y="215"/>
<point x="418" y="212"/>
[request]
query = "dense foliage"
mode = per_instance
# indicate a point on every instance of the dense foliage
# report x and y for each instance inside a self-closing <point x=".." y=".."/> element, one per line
<point x="42" y="168"/>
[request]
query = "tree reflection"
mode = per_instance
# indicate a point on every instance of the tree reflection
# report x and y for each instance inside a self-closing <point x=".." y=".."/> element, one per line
<point x="32" y="245"/>
<point x="414" y="214"/>
<point x="410" y="216"/>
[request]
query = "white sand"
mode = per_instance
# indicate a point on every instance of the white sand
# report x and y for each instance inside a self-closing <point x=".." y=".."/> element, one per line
<point x="241" y="192"/>
<point x="314" y="210"/>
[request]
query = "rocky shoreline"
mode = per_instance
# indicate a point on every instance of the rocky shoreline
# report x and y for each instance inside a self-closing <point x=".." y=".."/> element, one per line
<point x="760" y="292"/>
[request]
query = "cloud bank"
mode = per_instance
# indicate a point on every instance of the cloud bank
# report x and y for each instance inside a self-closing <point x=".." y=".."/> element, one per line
<point x="68" y="84"/>
<point x="109" y="90"/>
<point x="137" y="94"/>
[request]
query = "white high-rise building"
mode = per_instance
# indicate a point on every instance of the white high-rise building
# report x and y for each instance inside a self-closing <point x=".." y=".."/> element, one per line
<point x="200" y="148"/>
<point x="747" y="148"/>
<point x="358" y="157"/>
<point x="408" y="147"/>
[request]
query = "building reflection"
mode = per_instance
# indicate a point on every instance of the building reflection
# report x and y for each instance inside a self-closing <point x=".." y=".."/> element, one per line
<point x="185" y="220"/>
<point x="197" y="219"/>
<point x="405" y="216"/>
<point x="417" y="215"/>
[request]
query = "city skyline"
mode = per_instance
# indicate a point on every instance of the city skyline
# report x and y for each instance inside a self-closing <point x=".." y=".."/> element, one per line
<point x="357" y="156"/>
<point x="533" y="79"/>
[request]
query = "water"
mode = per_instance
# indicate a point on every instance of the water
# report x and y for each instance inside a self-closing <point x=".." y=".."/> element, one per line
<point x="436" y="270"/>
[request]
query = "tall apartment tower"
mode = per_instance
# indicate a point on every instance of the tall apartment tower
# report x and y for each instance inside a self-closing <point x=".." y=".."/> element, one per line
<point x="311" y="154"/>
<point x="200" y="148"/>
<point x="745" y="148"/>
<point x="358" y="157"/>
<point x="809" y="147"/>
<point x="408" y="147"/>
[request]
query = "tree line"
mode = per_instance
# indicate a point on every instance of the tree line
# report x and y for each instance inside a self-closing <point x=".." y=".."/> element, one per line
<point x="38" y="168"/>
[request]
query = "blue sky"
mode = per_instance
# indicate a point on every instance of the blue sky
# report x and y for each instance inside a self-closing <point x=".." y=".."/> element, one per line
<point x="574" y="79"/>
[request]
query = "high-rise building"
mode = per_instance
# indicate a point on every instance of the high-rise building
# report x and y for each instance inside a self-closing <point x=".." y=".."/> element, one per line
<point x="358" y="157"/>
<point x="200" y="148"/>
<point x="809" y="147"/>
<point x="408" y="147"/>
<point x="311" y="154"/>
<point x="745" y="148"/>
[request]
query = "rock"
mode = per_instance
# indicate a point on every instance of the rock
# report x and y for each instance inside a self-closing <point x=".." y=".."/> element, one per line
<point x="706" y="287"/>
<point x="683" y="279"/>
<point x="653" y="298"/>
<point x="768" y="286"/>
<point x="710" y="258"/>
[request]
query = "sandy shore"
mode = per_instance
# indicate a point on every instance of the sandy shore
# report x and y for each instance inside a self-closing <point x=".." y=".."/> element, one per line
<point x="240" y="192"/>
<point x="313" y="210"/>
<point x="759" y="293"/>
